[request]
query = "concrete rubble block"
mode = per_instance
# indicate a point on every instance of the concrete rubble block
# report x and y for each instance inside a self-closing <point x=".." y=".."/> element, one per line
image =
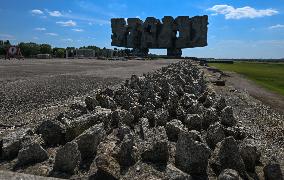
<point x="11" y="143"/>
<point x="31" y="154"/>
<point x="91" y="103"/>
<point x="210" y="116"/>
<point x="67" y="158"/>
<point x="136" y="111"/>
<point x="79" y="125"/>
<point x="273" y="171"/>
<point x="215" y="134"/>
<point x="250" y="155"/>
<point x="237" y="132"/>
<point x="209" y="101"/>
<point x="79" y="107"/>
<point x="122" y="131"/>
<point x="180" y="113"/>
<point x="150" y="115"/>
<point x="127" y="155"/>
<point x="52" y="131"/>
<point x="227" y="117"/>
<point x="108" y="92"/>
<point x="106" y="160"/>
<point x="173" y="173"/>
<point x="155" y="148"/>
<point x="187" y="100"/>
<point x="193" y="122"/>
<point x="229" y="174"/>
<point x="144" y="128"/>
<point x="122" y="116"/>
<point x="227" y="156"/>
<point x="162" y="116"/>
<point x="220" y="104"/>
<point x="105" y="101"/>
<point x="124" y="97"/>
<point x="89" y="140"/>
<point x="143" y="171"/>
<point x="173" y="128"/>
<point x="191" y="154"/>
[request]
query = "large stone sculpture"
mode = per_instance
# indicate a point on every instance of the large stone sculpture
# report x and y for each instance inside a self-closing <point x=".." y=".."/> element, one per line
<point x="171" y="34"/>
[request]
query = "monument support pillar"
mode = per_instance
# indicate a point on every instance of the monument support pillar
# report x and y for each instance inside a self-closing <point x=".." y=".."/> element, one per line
<point x="174" y="52"/>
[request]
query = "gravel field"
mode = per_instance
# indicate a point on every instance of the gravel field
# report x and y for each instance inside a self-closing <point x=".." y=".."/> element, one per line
<point x="34" y="88"/>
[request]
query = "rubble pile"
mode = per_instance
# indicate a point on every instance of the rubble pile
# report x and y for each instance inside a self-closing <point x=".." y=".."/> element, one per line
<point x="163" y="125"/>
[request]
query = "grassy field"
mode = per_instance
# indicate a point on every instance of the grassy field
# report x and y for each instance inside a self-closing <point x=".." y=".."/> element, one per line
<point x="268" y="75"/>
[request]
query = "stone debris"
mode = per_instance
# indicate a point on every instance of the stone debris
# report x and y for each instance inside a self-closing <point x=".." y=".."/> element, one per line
<point x="229" y="174"/>
<point x="227" y="117"/>
<point x="191" y="154"/>
<point x="227" y="156"/>
<point x="273" y="171"/>
<point x="67" y="158"/>
<point x="33" y="153"/>
<point x="89" y="140"/>
<point x="12" y="143"/>
<point x="174" y="127"/>
<point x="52" y="131"/>
<point x="215" y="134"/>
<point x="163" y="125"/>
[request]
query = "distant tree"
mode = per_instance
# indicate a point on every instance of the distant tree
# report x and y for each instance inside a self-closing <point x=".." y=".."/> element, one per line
<point x="45" y="49"/>
<point x="4" y="46"/>
<point x="60" y="53"/>
<point x="7" y="43"/>
<point x="29" y="49"/>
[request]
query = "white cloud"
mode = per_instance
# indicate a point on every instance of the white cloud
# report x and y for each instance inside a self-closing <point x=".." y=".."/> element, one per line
<point x="7" y="36"/>
<point x="277" y="26"/>
<point x="54" y="13"/>
<point x="51" y="34"/>
<point x="239" y="13"/>
<point x="35" y="38"/>
<point x="40" y="29"/>
<point x="69" y="23"/>
<point x="36" y="12"/>
<point x="68" y="40"/>
<point x="78" y="30"/>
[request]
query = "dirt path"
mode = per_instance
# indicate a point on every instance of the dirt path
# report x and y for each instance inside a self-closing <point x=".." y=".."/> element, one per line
<point x="270" y="98"/>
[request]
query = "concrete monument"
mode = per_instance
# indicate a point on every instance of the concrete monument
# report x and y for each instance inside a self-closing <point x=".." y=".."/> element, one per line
<point x="171" y="34"/>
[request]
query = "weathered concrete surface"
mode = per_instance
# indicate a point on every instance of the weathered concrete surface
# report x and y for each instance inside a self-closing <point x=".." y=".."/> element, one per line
<point x="171" y="34"/>
<point x="4" y="175"/>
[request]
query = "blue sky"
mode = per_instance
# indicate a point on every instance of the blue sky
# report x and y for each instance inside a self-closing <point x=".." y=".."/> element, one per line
<point x="237" y="29"/>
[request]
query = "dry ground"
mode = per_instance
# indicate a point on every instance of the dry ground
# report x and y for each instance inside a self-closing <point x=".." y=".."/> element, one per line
<point x="33" y="89"/>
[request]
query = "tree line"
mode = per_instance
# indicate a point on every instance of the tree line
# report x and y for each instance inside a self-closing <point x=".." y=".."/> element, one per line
<point x="31" y="49"/>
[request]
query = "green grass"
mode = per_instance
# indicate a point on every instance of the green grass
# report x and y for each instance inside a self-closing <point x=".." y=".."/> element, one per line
<point x="268" y="75"/>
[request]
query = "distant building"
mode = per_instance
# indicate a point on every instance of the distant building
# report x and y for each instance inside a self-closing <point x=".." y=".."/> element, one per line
<point x="1" y="42"/>
<point x="107" y="53"/>
<point x="43" y="56"/>
<point x="81" y="53"/>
